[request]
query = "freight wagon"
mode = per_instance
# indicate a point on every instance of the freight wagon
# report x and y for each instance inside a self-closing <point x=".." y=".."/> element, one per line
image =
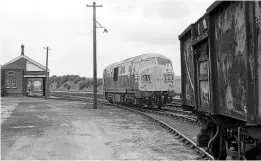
<point x="221" y="78"/>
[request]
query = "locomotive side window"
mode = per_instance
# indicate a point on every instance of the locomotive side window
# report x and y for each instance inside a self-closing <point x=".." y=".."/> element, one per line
<point x="122" y="70"/>
<point x="164" y="62"/>
<point x="147" y="62"/>
<point x="130" y="68"/>
<point x="115" y="74"/>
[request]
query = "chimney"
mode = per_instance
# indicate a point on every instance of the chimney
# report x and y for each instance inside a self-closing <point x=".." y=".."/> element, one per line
<point x="22" y="49"/>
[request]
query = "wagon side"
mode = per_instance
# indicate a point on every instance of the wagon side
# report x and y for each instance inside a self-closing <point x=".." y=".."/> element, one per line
<point x="235" y="59"/>
<point x="257" y="49"/>
<point x="187" y="70"/>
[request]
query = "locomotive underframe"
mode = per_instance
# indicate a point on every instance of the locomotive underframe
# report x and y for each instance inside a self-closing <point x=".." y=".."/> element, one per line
<point x="141" y="98"/>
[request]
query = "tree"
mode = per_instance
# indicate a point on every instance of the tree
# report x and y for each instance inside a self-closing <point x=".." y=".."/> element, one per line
<point x="82" y="85"/>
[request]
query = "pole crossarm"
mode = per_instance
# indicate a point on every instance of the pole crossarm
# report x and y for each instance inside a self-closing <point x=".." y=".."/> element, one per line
<point x="94" y="5"/>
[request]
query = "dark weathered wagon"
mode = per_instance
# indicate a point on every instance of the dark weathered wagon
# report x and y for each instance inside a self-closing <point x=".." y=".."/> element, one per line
<point x="226" y="55"/>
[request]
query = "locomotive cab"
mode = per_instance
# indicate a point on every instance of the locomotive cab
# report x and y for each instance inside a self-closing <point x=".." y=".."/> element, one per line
<point x="156" y="74"/>
<point x="156" y="79"/>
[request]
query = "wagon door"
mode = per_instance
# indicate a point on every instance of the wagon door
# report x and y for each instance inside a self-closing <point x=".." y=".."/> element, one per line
<point x="201" y="57"/>
<point x="202" y="76"/>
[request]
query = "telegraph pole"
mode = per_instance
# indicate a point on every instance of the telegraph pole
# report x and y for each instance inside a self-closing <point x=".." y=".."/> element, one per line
<point x="46" y="74"/>
<point x="94" y="55"/>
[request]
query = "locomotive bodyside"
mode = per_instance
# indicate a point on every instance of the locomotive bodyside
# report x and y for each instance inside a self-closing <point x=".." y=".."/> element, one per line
<point x="144" y="80"/>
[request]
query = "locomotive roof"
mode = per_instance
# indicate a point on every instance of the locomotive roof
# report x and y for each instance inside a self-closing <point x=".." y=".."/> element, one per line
<point x="137" y="58"/>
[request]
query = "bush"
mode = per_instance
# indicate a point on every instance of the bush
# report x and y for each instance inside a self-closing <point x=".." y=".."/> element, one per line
<point x="82" y="85"/>
<point x="99" y="82"/>
<point x="84" y="82"/>
<point x="58" y="85"/>
<point x="65" y="79"/>
<point x="77" y="80"/>
<point x="88" y="83"/>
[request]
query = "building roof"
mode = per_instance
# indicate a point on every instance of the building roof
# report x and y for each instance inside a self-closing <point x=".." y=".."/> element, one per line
<point x="6" y="65"/>
<point x="10" y="66"/>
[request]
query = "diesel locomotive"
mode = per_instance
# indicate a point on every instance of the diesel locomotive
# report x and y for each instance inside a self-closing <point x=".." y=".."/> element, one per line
<point x="144" y="80"/>
<point x="221" y="78"/>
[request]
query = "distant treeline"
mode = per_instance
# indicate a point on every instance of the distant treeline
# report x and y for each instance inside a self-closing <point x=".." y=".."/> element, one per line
<point x="84" y="82"/>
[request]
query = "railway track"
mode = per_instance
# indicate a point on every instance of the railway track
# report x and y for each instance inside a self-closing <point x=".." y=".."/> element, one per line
<point x="204" y="155"/>
<point x="172" y="113"/>
<point x="154" y="115"/>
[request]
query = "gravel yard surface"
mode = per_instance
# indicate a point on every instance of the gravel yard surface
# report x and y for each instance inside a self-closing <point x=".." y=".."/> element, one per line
<point x="36" y="129"/>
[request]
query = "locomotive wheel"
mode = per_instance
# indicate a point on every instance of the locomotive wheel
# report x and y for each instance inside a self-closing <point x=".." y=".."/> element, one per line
<point x="150" y="103"/>
<point x="159" y="106"/>
<point x="153" y="105"/>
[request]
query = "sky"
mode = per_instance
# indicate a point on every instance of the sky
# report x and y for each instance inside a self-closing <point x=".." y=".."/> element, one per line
<point x="134" y="27"/>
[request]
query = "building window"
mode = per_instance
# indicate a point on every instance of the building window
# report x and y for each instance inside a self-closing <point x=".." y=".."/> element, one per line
<point x="11" y="73"/>
<point x="7" y="83"/>
<point x="14" y="83"/>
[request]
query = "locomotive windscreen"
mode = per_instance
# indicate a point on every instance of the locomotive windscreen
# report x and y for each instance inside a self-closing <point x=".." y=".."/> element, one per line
<point x="164" y="62"/>
<point x="147" y="62"/>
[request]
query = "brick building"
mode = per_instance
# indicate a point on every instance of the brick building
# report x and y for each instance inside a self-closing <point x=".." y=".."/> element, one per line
<point x="20" y="72"/>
